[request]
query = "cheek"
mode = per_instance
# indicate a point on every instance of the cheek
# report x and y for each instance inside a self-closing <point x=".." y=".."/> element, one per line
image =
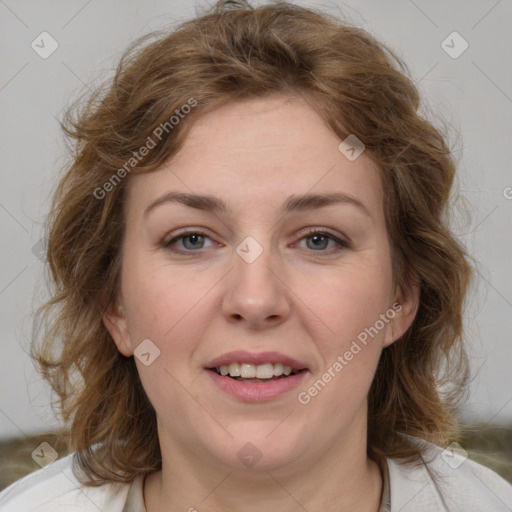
<point x="349" y="356"/>
<point x="347" y="301"/>
<point x="351" y="305"/>
<point x="165" y="308"/>
<point x="172" y="309"/>
<point x="160" y="298"/>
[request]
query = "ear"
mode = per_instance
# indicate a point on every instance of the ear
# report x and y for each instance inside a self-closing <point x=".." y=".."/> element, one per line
<point x="405" y="305"/>
<point x="115" y="321"/>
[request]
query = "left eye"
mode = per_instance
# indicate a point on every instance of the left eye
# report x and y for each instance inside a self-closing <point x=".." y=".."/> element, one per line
<point x="320" y="238"/>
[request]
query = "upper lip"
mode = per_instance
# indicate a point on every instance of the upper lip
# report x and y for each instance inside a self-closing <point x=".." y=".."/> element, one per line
<point x="242" y="356"/>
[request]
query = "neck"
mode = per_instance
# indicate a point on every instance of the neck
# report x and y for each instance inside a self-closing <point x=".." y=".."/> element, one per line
<point x="341" y="479"/>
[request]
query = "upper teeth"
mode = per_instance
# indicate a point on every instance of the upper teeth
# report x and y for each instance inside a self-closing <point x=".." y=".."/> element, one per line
<point x="251" y="371"/>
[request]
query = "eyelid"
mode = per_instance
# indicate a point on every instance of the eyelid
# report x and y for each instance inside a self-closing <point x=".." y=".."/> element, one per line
<point x="342" y="241"/>
<point x="320" y="230"/>
<point x="182" y="234"/>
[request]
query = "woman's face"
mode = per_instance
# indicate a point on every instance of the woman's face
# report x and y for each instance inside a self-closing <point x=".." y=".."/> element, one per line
<point x="255" y="281"/>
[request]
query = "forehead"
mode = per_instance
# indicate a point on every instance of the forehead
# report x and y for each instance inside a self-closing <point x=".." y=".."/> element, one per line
<point x="260" y="149"/>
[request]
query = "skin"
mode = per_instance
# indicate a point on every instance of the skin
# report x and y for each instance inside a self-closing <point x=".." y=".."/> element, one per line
<point x="302" y="299"/>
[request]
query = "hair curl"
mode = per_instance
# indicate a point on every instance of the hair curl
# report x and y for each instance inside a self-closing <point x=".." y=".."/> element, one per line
<point x="235" y="51"/>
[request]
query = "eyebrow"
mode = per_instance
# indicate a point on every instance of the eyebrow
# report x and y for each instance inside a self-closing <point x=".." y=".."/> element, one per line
<point x="301" y="202"/>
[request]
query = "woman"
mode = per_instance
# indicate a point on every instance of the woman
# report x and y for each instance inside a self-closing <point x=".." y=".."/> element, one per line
<point x="255" y="289"/>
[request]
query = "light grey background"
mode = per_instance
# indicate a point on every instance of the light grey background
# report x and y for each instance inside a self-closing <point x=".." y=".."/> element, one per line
<point x="471" y="95"/>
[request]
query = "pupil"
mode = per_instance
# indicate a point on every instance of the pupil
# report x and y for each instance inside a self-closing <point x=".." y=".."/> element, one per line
<point x="316" y="238"/>
<point x="193" y="238"/>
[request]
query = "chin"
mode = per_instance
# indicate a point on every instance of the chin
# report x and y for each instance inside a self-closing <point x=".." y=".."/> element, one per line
<point x="263" y="451"/>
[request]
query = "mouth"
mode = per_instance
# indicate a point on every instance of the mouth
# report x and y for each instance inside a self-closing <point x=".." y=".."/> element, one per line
<point x="249" y="389"/>
<point x="256" y="377"/>
<point x="256" y="373"/>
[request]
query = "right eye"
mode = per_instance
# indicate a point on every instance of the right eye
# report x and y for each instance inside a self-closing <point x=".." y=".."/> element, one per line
<point x="195" y="237"/>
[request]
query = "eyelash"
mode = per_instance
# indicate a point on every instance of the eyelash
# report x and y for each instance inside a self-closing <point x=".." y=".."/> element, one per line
<point x="342" y="244"/>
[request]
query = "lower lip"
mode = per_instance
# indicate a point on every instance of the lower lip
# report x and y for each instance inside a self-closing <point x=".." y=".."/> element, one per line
<point x="256" y="391"/>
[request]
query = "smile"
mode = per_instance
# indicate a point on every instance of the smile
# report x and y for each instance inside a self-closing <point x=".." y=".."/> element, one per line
<point x="256" y="389"/>
<point x="241" y="371"/>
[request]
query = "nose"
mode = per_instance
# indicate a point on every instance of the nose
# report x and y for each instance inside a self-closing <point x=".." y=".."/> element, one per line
<point x="256" y="293"/>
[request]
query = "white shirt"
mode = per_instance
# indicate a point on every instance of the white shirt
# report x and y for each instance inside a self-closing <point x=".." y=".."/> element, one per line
<point x="461" y="486"/>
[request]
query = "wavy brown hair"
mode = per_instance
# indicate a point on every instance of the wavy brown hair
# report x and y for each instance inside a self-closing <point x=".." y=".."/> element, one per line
<point x="358" y="86"/>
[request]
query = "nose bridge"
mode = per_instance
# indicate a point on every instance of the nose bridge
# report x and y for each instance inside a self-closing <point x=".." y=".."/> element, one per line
<point x="255" y="293"/>
<point x="254" y="266"/>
